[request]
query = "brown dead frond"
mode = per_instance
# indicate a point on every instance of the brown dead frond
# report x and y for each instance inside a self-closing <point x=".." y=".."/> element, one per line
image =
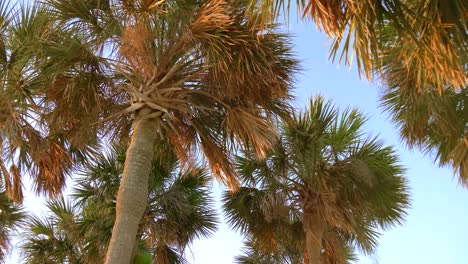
<point x="458" y="158"/>
<point x="134" y="50"/>
<point x="325" y="203"/>
<point x="75" y="109"/>
<point x="16" y="190"/>
<point x="138" y="9"/>
<point x="334" y="251"/>
<point x="183" y="144"/>
<point x="162" y="255"/>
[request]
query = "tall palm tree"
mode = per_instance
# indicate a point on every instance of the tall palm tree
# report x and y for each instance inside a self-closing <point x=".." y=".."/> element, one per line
<point x="199" y="74"/>
<point x="325" y="189"/>
<point x="11" y="220"/>
<point x="179" y="209"/>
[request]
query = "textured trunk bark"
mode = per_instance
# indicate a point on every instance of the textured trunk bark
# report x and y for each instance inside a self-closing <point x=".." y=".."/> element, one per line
<point x="133" y="192"/>
<point x="314" y="229"/>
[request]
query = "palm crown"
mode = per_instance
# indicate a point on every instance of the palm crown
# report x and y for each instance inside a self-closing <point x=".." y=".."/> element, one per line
<point x="325" y="185"/>
<point x="80" y="69"/>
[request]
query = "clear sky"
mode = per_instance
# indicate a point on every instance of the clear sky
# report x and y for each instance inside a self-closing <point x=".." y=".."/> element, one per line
<point x="436" y="229"/>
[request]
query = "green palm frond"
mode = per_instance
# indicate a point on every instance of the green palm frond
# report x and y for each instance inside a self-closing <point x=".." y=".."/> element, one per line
<point x="179" y="210"/>
<point x="27" y="146"/>
<point x="426" y="80"/>
<point x="184" y="208"/>
<point x="252" y="255"/>
<point x="47" y="242"/>
<point x="12" y="218"/>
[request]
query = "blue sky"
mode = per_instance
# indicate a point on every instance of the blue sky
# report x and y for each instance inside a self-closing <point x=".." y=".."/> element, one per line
<point x="437" y="224"/>
<point x="436" y="228"/>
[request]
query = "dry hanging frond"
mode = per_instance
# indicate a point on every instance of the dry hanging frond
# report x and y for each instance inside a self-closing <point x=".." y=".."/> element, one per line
<point x="161" y="254"/>
<point x="139" y="8"/>
<point x="52" y="162"/>
<point x="430" y="53"/>
<point x="251" y="130"/>
<point x="458" y="159"/>
<point x="12" y="183"/>
<point x="16" y="190"/>
<point x="220" y="163"/>
<point x="183" y="144"/>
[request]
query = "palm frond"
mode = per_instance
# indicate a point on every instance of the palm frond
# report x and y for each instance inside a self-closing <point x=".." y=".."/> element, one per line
<point x="434" y="122"/>
<point x="12" y="218"/>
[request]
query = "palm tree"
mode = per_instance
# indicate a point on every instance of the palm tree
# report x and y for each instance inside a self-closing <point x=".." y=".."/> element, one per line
<point x="179" y="209"/>
<point x="198" y="74"/>
<point x="11" y="220"/>
<point x="325" y="189"/>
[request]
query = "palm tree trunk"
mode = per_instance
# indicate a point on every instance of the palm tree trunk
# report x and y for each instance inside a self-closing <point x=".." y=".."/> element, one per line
<point x="314" y="229"/>
<point x="133" y="192"/>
